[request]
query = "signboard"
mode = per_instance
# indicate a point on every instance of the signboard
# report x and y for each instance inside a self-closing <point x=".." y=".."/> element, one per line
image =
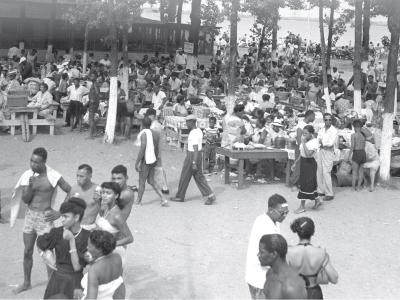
<point x="188" y="47"/>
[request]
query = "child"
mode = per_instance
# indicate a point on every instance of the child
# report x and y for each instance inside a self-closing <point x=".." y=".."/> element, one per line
<point x="213" y="139"/>
<point x="357" y="153"/>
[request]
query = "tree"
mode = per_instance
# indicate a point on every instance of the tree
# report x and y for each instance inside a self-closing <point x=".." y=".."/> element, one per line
<point x="393" y="12"/>
<point x="195" y="22"/>
<point x="323" y="57"/>
<point x="365" y="30"/>
<point x="87" y="15"/>
<point x="232" y="56"/>
<point x="357" y="55"/>
<point x="210" y="17"/>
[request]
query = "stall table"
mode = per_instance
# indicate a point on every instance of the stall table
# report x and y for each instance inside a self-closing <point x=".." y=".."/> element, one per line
<point x="241" y="155"/>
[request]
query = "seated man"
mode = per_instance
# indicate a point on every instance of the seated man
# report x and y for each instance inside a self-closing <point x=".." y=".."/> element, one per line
<point x="43" y="100"/>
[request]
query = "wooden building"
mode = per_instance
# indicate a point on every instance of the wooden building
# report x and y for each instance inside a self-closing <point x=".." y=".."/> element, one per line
<point x="31" y="22"/>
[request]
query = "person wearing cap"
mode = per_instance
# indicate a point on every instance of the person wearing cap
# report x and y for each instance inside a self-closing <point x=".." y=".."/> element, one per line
<point x="181" y="58"/>
<point x="25" y="68"/>
<point x="192" y="165"/>
<point x="13" y="83"/>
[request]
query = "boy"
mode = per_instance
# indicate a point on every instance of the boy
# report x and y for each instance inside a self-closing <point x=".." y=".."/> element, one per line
<point x="357" y="154"/>
<point x="213" y="140"/>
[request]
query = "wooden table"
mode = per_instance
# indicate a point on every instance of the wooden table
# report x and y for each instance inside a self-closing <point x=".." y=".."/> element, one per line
<point x="23" y="120"/>
<point x="241" y="155"/>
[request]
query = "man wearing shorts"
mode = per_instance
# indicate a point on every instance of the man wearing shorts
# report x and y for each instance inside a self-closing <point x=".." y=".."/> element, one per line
<point x="38" y="194"/>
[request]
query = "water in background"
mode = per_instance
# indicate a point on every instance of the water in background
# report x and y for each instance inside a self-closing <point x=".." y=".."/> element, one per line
<point x="308" y="30"/>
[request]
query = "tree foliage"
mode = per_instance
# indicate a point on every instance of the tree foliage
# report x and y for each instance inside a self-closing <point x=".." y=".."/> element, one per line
<point x="211" y="16"/>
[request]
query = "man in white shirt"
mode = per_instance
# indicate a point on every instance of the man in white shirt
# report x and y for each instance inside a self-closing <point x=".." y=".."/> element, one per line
<point x="75" y="108"/>
<point x="267" y="223"/>
<point x="159" y="98"/>
<point x="328" y="139"/>
<point x="192" y="166"/>
<point x="181" y="58"/>
<point x="105" y="61"/>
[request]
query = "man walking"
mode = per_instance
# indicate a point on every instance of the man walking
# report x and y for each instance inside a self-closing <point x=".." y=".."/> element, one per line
<point x="267" y="223"/>
<point x="147" y="160"/>
<point x="327" y="138"/>
<point x="38" y="192"/>
<point x="192" y="165"/>
<point x="88" y="191"/>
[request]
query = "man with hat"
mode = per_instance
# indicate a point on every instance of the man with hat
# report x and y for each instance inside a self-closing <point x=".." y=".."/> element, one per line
<point x="13" y="83"/>
<point x="181" y="58"/>
<point x="192" y="165"/>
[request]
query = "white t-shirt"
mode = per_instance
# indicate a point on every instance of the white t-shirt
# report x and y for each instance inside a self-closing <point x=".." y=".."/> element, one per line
<point x="311" y="145"/>
<point x="195" y="138"/>
<point x="76" y="94"/>
<point x="180" y="59"/>
<point x="255" y="273"/>
<point x="157" y="100"/>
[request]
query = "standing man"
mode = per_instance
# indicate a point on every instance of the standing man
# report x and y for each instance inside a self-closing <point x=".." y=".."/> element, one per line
<point x="94" y="100"/>
<point x="119" y="174"/>
<point x="192" y="165"/>
<point x="181" y="59"/>
<point x="267" y="223"/>
<point x="282" y="282"/>
<point x="147" y="160"/>
<point x="75" y="108"/>
<point x="38" y="191"/>
<point x="328" y="139"/>
<point x="88" y="191"/>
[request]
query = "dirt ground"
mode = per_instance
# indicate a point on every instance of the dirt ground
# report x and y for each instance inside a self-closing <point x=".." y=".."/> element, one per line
<point x="190" y="250"/>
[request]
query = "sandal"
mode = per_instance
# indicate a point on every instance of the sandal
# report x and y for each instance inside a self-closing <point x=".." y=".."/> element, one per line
<point x="300" y="210"/>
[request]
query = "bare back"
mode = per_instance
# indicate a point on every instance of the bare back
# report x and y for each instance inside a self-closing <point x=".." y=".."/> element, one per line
<point x="306" y="260"/>
<point x="358" y="141"/>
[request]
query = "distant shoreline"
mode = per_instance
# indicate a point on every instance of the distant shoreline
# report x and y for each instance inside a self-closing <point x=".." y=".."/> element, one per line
<point x="317" y="20"/>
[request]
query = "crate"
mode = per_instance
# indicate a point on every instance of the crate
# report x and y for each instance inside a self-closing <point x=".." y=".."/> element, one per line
<point x="17" y="98"/>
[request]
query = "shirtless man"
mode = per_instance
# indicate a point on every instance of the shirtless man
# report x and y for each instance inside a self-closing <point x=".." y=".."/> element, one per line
<point x="90" y="193"/>
<point x="282" y="282"/>
<point x="119" y="174"/>
<point x="39" y="215"/>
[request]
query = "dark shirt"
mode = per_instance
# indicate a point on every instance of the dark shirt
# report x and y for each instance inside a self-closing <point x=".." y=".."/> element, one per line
<point x="54" y="240"/>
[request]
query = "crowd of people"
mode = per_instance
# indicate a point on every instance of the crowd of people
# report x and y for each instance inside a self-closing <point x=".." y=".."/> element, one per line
<point x="279" y="103"/>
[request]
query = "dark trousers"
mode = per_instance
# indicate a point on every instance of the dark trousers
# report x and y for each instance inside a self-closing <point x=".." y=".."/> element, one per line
<point x="75" y="112"/>
<point x="186" y="176"/>
<point x="210" y="155"/>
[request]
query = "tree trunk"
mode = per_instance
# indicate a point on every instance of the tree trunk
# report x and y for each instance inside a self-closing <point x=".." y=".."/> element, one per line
<point x="85" y="46"/>
<point x="50" y="33"/>
<point x="274" y="41"/>
<point x="365" y="30"/>
<point x="391" y="91"/>
<point x="261" y="43"/>
<point x="357" y="55"/>
<point x="125" y="57"/>
<point x="112" y="102"/>
<point x="323" y="57"/>
<point x="195" y="22"/>
<point x="179" y="12"/>
<point x="171" y="10"/>
<point x="163" y="11"/>
<point x="330" y="36"/>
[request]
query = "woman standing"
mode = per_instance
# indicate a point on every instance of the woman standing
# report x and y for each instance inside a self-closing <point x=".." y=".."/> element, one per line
<point x="104" y="278"/>
<point x="308" y="170"/>
<point x="111" y="220"/>
<point x="312" y="263"/>
<point x="70" y="243"/>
